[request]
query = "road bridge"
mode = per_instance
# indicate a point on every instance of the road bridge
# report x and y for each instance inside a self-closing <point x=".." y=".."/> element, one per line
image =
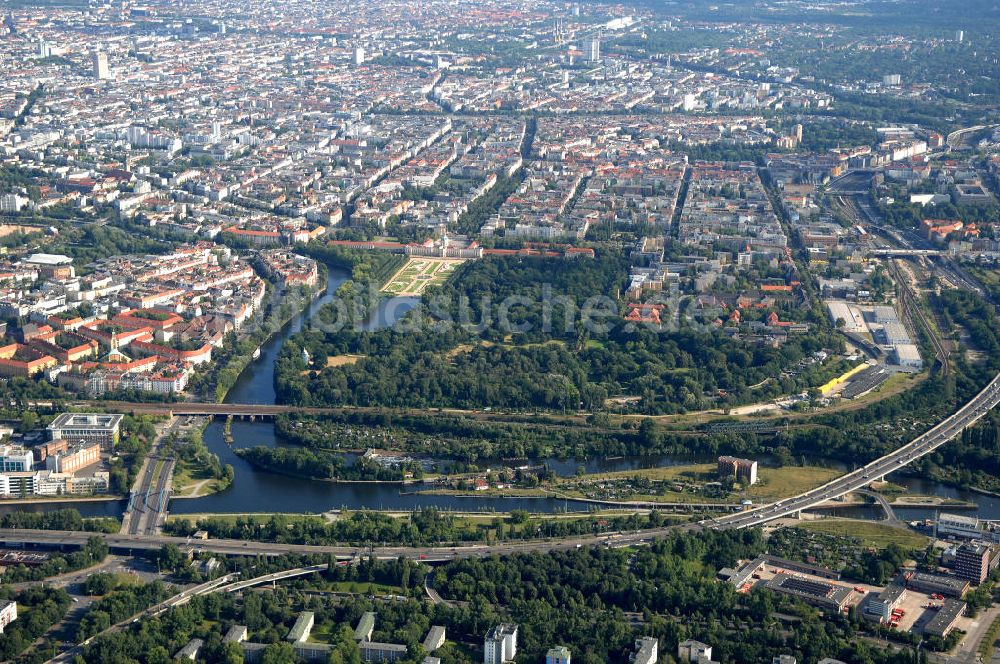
<point x="883" y="502"/>
<point x="236" y="586"/>
<point x="937" y="436"/>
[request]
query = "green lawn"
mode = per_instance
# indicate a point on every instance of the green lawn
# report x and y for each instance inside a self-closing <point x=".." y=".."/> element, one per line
<point x="192" y="480"/>
<point x="773" y="483"/>
<point x="231" y="518"/>
<point x="419" y="274"/>
<point x="870" y="533"/>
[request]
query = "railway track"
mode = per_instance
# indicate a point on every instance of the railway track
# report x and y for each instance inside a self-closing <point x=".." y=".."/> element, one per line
<point x="913" y="311"/>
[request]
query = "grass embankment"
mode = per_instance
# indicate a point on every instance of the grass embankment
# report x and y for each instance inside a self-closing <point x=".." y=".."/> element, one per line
<point x="194" y="480"/>
<point x="290" y="518"/>
<point x="895" y="384"/>
<point x="870" y="533"/>
<point x="772" y="484"/>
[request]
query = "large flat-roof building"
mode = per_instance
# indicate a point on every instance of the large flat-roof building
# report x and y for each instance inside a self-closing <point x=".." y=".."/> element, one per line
<point x="853" y="319"/>
<point x="311" y="652"/>
<point x="15" y="459"/>
<point x="948" y="586"/>
<point x="236" y="634"/>
<point x="944" y="621"/>
<point x="373" y="651"/>
<point x="298" y="636"/>
<point x="51" y="266"/>
<point x="74" y="458"/>
<point x="907" y="356"/>
<point x="959" y="525"/>
<point x="366" y="627"/>
<point x="693" y="651"/>
<point x="100" y="65"/>
<point x="302" y="628"/>
<point x="190" y="650"/>
<point x="826" y="596"/>
<point x="101" y="428"/>
<point x="879" y="607"/>
<point x="434" y="639"/>
<point x="743" y="470"/>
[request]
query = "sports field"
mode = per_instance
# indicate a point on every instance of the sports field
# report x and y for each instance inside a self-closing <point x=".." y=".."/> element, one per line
<point x="420" y="273"/>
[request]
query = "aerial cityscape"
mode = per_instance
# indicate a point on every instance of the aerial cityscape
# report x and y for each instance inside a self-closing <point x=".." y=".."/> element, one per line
<point x="501" y="331"/>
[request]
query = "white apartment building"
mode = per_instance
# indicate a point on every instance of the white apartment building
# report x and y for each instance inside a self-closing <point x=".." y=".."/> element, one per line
<point x="501" y="644"/>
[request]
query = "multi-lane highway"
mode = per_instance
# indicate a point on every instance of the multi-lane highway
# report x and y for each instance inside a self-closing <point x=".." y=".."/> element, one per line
<point x="147" y="505"/>
<point x="965" y="417"/>
<point x="128" y="542"/>
<point x="147" y="502"/>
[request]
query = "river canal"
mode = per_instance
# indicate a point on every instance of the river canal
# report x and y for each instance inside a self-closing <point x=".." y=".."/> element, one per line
<point x="257" y="491"/>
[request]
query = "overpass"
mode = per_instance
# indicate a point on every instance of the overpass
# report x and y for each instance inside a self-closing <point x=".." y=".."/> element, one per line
<point x="179" y="599"/>
<point x="937" y="436"/>
<point x="198" y="408"/>
<point x="957" y="138"/>
<point x="851" y="183"/>
<point x="882" y="502"/>
<point x="236" y="586"/>
<point x="224" y="584"/>
<point x="185" y="596"/>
